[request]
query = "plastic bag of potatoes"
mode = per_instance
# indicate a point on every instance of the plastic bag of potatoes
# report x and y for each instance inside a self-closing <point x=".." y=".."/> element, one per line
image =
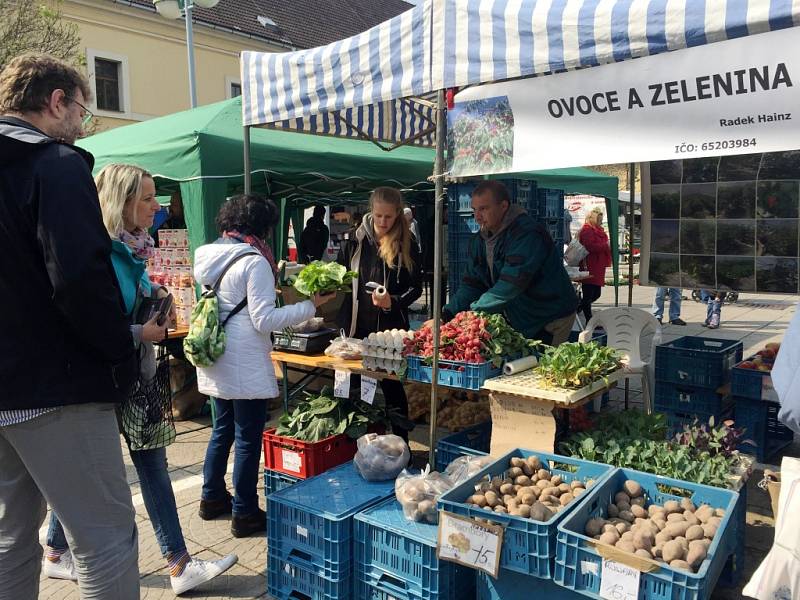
<point x="418" y="494"/>
<point x="381" y="457"/>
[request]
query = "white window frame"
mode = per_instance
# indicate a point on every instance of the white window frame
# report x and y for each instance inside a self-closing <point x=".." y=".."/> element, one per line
<point x="125" y="87"/>
<point x="228" y="82"/>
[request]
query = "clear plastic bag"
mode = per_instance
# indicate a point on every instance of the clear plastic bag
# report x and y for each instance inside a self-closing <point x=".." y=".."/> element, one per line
<point x="310" y="326"/>
<point x="464" y="467"/>
<point x="346" y="348"/>
<point x="418" y="494"/>
<point x="381" y="457"/>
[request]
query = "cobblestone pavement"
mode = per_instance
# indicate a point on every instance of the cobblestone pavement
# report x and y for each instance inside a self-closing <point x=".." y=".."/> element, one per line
<point x="748" y="320"/>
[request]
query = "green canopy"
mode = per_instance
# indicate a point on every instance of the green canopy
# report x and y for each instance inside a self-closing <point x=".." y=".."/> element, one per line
<point x="199" y="151"/>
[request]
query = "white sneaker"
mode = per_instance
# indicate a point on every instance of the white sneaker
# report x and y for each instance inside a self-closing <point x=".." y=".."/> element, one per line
<point x="199" y="571"/>
<point x="63" y="569"/>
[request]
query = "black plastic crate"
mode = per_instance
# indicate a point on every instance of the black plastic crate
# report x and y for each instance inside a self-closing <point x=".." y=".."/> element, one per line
<point x="762" y="427"/>
<point x="550" y="203"/>
<point x="697" y="361"/>
<point x="671" y="398"/>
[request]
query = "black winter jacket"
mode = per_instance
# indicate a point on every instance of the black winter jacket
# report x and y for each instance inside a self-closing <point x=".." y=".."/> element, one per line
<point x="64" y="336"/>
<point x="403" y="285"/>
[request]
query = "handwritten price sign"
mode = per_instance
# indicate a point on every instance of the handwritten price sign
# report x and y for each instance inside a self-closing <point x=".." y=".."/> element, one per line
<point x="618" y="581"/>
<point x="469" y="543"/>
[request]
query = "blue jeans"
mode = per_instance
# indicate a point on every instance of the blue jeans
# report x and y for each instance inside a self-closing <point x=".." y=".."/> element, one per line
<point x="713" y="305"/>
<point x="159" y="500"/>
<point x="674" y="303"/>
<point x="240" y="421"/>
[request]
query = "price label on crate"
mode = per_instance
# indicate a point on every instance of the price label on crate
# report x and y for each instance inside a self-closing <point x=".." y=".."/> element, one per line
<point x="618" y="581"/>
<point x="469" y="543"/>
<point x="368" y="387"/>
<point x="341" y="384"/>
<point x="291" y="460"/>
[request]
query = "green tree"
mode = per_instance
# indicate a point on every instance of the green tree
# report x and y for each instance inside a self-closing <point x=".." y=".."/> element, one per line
<point x="36" y="26"/>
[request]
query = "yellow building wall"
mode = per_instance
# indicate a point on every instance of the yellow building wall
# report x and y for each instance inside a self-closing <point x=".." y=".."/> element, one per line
<point x="155" y="58"/>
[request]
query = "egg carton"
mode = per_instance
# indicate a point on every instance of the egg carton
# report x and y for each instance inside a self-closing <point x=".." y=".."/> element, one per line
<point x="383" y="351"/>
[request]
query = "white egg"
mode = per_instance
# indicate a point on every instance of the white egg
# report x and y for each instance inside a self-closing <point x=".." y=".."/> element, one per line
<point x="380" y="338"/>
<point x="372" y="338"/>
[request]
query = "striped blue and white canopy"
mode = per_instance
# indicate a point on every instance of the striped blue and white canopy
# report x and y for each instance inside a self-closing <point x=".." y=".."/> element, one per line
<point x="453" y="43"/>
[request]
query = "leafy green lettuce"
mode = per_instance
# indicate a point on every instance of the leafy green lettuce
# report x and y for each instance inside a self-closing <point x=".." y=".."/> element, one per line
<point x="323" y="277"/>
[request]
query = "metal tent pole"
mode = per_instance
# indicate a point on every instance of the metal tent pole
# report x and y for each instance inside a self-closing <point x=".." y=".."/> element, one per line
<point x="248" y="180"/>
<point x="438" y="171"/>
<point x="631" y="231"/>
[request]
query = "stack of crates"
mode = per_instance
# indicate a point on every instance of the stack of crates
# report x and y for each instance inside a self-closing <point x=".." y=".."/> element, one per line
<point x="310" y="533"/>
<point x="546" y="206"/>
<point x="691" y="376"/>
<point x="395" y="558"/>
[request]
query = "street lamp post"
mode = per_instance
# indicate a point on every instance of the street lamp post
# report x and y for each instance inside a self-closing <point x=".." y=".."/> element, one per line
<point x="173" y="9"/>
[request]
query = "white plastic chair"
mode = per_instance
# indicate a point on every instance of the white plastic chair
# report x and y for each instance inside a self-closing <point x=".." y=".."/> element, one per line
<point x="624" y="327"/>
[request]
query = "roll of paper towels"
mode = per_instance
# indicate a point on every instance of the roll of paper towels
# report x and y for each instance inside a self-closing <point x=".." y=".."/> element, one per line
<point x="519" y="365"/>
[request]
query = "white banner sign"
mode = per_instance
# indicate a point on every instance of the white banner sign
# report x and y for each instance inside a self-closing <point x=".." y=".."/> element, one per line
<point x="733" y="97"/>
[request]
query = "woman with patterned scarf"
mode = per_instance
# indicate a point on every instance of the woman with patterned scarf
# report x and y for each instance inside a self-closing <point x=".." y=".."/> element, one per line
<point x="242" y="380"/>
<point x="127" y="199"/>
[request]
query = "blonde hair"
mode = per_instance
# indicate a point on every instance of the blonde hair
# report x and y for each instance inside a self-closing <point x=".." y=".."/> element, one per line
<point x="116" y="186"/>
<point x="395" y="247"/>
<point x="590" y="215"/>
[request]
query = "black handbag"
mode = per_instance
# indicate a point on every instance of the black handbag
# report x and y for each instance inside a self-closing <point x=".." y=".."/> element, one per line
<point x="146" y="414"/>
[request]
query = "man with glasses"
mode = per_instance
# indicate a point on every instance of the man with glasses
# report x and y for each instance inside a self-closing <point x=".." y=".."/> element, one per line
<point x="66" y="351"/>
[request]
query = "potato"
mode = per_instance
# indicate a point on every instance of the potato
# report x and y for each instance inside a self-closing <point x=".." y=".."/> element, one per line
<point x="566" y="499"/>
<point x="578" y="491"/>
<point x="623" y="507"/>
<point x="690" y="518"/>
<point x="709" y="530"/>
<point x="675" y="518"/>
<point x="563" y="488"/>
<point x="626" y="515"/>
<point x="491" y="499"/>
<point x="704" y="513"/>
<point x="716" y="521"/>
<point x="696" y="555"/>
<point x="479" y="499"/>
<point x="497" y="482"/>
<point x="662" y="538"/>
<point x="655" y="510"/>
<point x="672" y="506"/>
<point x="720" y="512"/>
<point x="622" y="527"/>
<point x="500" y="509"/>
<point x="427" y="507"/>
<point x="660" y="523"/>
<point x="632" y="488"/>
<point x="540" y="512"/>
<point x="576" y="483"/>
<point x="534" y="462"/>
<point x="511" y="503"/>
<point x="673" y="551"/>
<point x="487" y="507"/>
<point x="643" y="540"/>
<point x="594" y="526"/>
<point x="683" y="542"/>
<point x="680" y="564"/>
<point x="638" y="511"/>
<point x="551" y="491"/>
<point x="613" y="511"/>
<point x="508" y="497"/>
<point x="656" y="551"/>
<point x="528" y="470"/>
<point x="523" y="480"/>
<point x="506" y="489"/>
<point x="557" y="480"/>
<point x="609" y="538"/>
<point x="677" y="529"/>
<point x="515" y="472"/>
<point x="627" y="536"/>
<point x="523" y="510"/>
<point x="543" y="474"/>
<point x="687" y="504"/>
<point x="516" y="461"/>
<point x="644" y="553"/>
<point x="543" y="484"/>
<point x="640" y="501"/>
<point x="622" y="497"/>
<point x="695" y="532"/>
<point x="626" y="546"/>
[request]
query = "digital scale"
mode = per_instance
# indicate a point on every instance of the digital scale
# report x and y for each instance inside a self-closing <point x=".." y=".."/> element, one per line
<point x="307" y="343"/>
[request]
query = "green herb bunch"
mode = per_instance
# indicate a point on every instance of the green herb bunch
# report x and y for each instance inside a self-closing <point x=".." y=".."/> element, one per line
<point x="574" y="365"/>
<point x="322" y="278"/>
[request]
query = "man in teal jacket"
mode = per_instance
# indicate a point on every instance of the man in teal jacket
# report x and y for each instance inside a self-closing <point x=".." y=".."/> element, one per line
<point x="514" y="270"/>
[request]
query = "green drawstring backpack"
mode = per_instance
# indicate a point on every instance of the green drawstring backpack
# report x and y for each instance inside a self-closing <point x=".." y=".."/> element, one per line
<point x="205" y="342"/>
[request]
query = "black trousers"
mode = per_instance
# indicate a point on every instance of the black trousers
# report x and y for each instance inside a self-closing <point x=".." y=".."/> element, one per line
<point x="396" y="398"/>
<point x="589" y="293"/>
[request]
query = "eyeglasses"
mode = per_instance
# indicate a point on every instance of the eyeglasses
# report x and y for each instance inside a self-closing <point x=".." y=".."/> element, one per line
<point x="87" y="114"/>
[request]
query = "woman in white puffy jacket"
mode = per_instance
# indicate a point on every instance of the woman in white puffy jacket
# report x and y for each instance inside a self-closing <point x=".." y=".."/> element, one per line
<point x="242" y="380"/>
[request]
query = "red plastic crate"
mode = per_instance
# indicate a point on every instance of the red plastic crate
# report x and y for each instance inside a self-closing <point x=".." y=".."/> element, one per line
<point x="306" y="459"/>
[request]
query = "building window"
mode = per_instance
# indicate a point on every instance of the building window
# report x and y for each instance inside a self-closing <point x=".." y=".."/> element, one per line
<point x="107" y="84"/>
<point x="236" y="90"/>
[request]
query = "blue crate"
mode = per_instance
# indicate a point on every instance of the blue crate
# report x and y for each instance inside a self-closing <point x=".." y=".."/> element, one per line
<point x="760" y="420"/>
<point x="468" y="376"/>
<point x="396" y="558"/>
<point x="673" y="398"/>
<point x="515" y="586"/>
<point x="525" y="194"/>
<point x="697" y="361"/>
<point x="286" y="581"/>
<point x="576" y="552"/>
<point x="732" y="572"/>
<point x="522" y="192"/>
<point x="528" y="546"/>
<point x="550" y="203"/>
<point x="472" y="441"/>
<point x="275" y="481"/>
<point x="751" y="383"/>
<point x="310" y="524"/>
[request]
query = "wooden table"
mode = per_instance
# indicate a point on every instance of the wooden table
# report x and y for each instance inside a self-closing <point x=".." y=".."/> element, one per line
<point x="176" y="334"/>
<point x="310" y="366"/>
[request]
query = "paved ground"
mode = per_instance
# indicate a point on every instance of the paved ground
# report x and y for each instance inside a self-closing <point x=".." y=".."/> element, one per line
<point x="749" y="320"/>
